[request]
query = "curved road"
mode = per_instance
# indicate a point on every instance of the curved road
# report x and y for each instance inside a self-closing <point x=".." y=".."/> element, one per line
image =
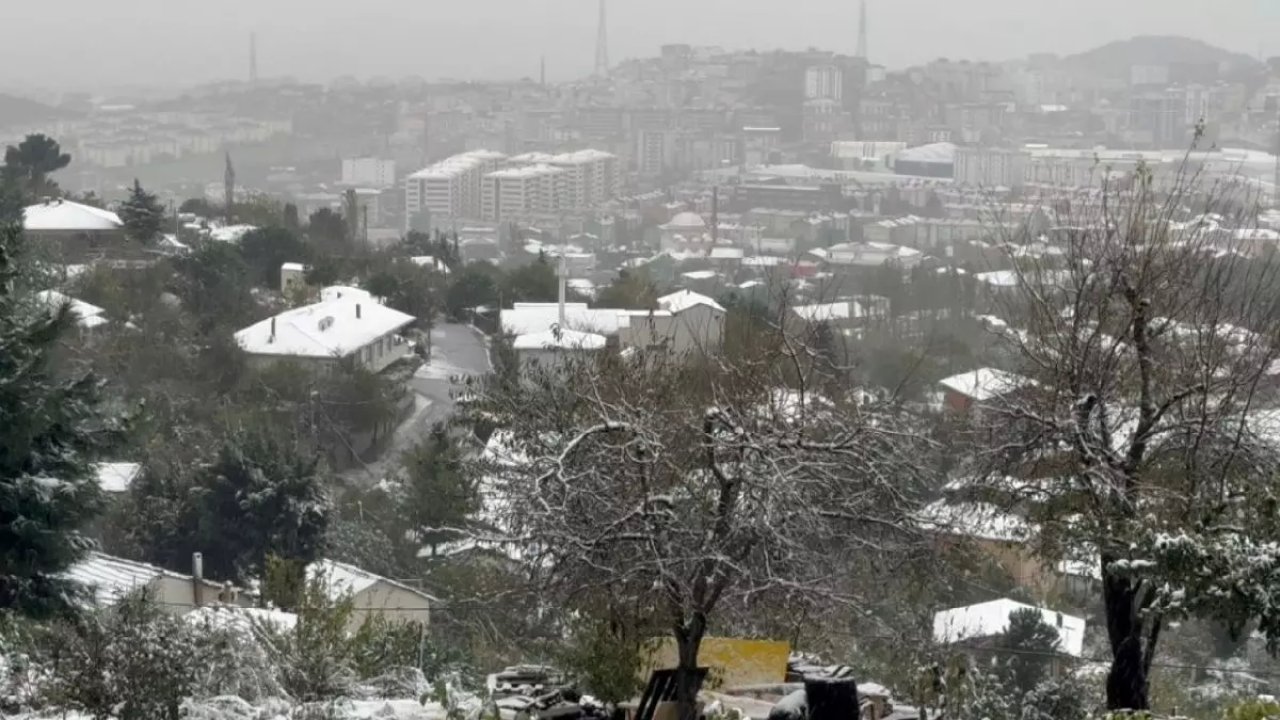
<point x="457" y="352"/>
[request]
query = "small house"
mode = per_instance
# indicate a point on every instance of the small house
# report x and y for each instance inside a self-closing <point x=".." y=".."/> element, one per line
<point x="372" y="595"/>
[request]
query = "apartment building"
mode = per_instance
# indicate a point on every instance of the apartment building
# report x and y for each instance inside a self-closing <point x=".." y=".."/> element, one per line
<point x="519" y="191"/>
<point x="451" y="188"/>
<point x="592" y="176"/>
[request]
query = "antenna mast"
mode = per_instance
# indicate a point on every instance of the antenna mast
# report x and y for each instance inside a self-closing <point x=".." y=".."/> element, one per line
<point x="862" y="32"/>
<point x="602" y="42"/>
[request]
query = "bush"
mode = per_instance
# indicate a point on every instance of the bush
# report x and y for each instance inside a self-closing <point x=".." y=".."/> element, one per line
<point x="314" y="657"/>
<point x="132" y="662"/>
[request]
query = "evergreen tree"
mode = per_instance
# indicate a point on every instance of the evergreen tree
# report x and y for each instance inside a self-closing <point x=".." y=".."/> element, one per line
<point x="438" y="492"/>
<point x="1031" y="645"/>
<point x="49" y="429"/>
<point x="32" y="161"/>
<point x="142" y="214"/>
<point x="265" y="250"/>
<point x="260" y="497"/>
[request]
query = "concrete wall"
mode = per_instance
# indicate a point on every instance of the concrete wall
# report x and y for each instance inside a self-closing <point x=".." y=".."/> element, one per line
<point x="392" y="602"/>
<point x="699" y="328"/>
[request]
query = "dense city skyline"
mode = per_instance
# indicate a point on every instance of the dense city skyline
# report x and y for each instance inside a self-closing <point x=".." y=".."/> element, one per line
<point x="494" y="39"/>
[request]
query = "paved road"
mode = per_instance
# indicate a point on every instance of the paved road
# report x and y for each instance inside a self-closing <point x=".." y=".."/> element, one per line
<point x="457" y="351"/>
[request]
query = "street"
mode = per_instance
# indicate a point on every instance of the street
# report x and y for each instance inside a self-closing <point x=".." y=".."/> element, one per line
<point x="457" y="352"/>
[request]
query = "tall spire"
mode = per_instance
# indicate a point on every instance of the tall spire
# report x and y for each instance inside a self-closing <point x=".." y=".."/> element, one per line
<point x="862" y="32"/>
<point x="253" y="58"/>
<point x="602" y="42"/>
<point x="229" y="186"/>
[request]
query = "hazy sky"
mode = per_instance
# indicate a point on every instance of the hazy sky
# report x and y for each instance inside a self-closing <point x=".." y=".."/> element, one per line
<point x="85" y="43"/>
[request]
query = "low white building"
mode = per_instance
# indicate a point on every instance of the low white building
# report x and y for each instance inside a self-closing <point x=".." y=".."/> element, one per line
<point x="346" y="327"/>
<point x="108" y="580"/>
<point x="991" y="619"/>
<point x="553" y="348"/>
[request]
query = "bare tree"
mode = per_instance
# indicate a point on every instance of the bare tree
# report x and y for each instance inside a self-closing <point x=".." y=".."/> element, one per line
<point x="688" y="484"/>
<point x="1144" y="433"/>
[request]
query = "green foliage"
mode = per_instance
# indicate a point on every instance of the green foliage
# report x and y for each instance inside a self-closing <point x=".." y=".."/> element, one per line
<point x="1253" y="710"/>
<point x="284" y="582"/>
<point x="142" y="214"/>
<point x="438" y="490"/>
<point x="328" y="229"/>
<point x="131" y="662"/>
<point x="50" y="428"/>
<point x="535" y="282"/>
<point x="266" y="249"/>
<point x="1031" y="643"/>
<point x="476" y="285"/>
<point x="633" y="290"/>
<point x="607" y="658"/>
<point x="31" y="163"/>
<point x="408" y="288"/>
<point x="314" y="657"/>
<point x="213" y="284"/>
<point x="262" y="496"/>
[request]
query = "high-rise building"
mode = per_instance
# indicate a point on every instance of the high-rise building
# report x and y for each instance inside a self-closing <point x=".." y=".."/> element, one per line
<point x="451" y="188"/>
<point x="521" y="191"/>
<point x="368" y="172"/>
<point x="592" y="176"/>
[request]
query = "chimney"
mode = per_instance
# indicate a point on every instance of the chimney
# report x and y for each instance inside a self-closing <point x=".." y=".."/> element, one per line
<point x="273" y="330"/>
<point x="197" y="578"/>
<point x="357" y="311"/>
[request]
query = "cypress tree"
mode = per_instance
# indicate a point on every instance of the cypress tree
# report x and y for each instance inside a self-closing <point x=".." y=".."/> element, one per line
<point x="50" y="428"/>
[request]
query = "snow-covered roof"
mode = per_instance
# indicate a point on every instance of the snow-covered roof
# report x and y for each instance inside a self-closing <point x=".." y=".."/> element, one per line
<point x="240" y="619"/>
<point x="533" y="318"/>
<point x="686" y="221"/>
<point x="985" y="383"/>
<point x="346" y="292"/>
<point x="431" y="262"/>
<point x="112" y="578"/>
<point x="333" y="328"/>
<point x="86" y="315"/>
<point x="294" y="267"/>
<point x="941" y="153"/>
<point x="64" y="215"/>
<point x="824" y="312"/>
<point x="974" y="520"/>
<point x="699" y="275"/>
<point x="342" y="579"/>
<point x="116" y="477"/>
<point x="990" y="619"/>
<point x="680" y="301"/>
<point x="231" y="233"/>
<point x="726" y="253"/>
<point x="560" y="340"/>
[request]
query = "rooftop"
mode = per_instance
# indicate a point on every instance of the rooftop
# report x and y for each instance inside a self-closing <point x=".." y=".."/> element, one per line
<point x="343" y="579"/>
<point x="557" y="339"/>
<point x="990" y="619"/>
<point x="327" y="329"/>
<point x="985" y="383"/>
<point x="116" y="477"/>
<point x="112" y="578"/>
<point x="64" y="215"/>
<point x="680" y="301"/>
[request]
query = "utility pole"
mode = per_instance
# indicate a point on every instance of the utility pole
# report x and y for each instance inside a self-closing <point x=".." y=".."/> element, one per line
<point x="253" y="58"/>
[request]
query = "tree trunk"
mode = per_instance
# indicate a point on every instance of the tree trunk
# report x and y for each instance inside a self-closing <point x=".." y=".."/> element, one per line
<point x="1127" y="680"/>
<point x="688" y="641"/>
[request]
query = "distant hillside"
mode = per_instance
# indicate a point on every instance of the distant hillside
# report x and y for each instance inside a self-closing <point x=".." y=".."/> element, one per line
<point x="1115" y="59"/>
<point x="16" y="110"/>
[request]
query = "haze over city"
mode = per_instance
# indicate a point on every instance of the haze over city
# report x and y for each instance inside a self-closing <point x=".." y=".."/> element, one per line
<point x="180" y="42"/>
<point x="640" y="360"/>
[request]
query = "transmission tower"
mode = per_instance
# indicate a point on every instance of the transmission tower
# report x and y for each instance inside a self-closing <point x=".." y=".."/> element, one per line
<point x="862" y="32"/>
<point x="602" y="42"/>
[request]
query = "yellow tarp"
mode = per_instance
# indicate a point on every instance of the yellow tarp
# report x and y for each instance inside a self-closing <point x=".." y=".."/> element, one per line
<point x="732" y="662"/>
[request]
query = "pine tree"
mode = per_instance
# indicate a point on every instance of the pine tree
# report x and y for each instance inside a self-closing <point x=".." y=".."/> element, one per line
<point x="142" y="214"/>
<point x="261" y="497"/>
<point x="439" y="493"/>
<point x="49" y="429"/>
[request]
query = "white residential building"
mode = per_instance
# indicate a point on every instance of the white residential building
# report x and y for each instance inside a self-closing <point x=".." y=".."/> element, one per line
<point x="520" y="191"/>
<point x="369" y="172"/>
<point x="451" y="188"/>
<point x="592" y="176"/>
<point x="989" y="620"/>
<point x="372" y="594"/>
<point x="340" y="327"/>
